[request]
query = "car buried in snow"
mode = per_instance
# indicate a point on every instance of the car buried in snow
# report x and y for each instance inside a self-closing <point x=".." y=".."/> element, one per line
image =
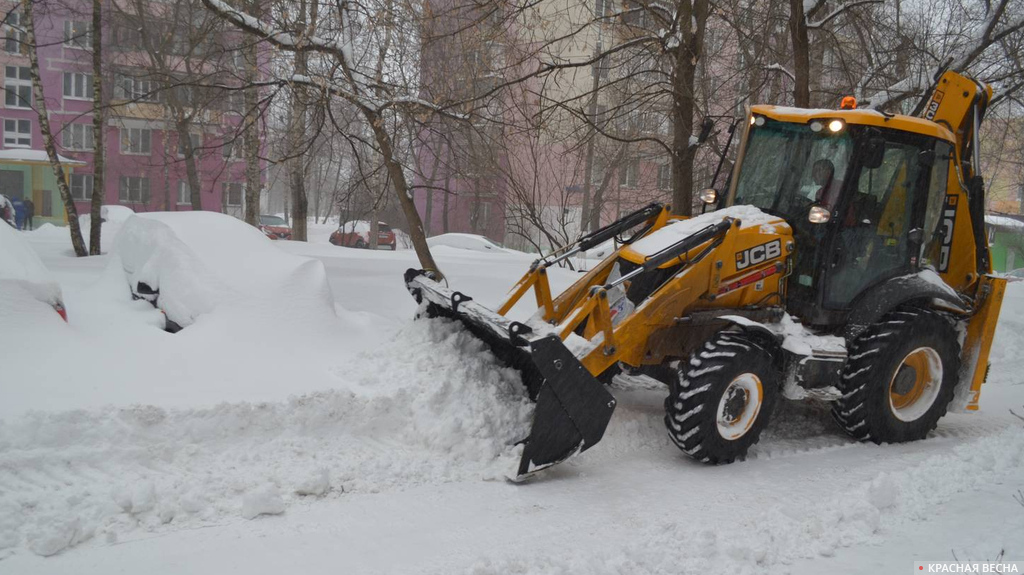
<point x="23" y="275"/>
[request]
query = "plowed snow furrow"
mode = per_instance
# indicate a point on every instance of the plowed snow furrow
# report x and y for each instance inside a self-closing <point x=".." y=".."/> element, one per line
<point x="433" y="407"/>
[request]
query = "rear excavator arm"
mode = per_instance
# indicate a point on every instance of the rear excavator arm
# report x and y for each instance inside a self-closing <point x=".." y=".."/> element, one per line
<point x="960" y="103"/>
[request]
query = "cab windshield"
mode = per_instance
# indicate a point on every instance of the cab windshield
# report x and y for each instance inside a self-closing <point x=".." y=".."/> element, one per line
<point x="787" y="167"/>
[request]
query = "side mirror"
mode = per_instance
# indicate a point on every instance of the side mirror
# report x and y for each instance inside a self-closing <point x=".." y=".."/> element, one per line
<point x="708" y="196"/>
<point x="705" y="130"/>
<point x="874" y="153"/>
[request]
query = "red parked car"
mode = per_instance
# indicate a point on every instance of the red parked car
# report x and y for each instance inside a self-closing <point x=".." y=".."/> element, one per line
<point x="356" y="234"/>
<point x="275" y="227"/>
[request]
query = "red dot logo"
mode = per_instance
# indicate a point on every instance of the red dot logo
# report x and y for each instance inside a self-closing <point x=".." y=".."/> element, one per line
<point x="921" y="568"/>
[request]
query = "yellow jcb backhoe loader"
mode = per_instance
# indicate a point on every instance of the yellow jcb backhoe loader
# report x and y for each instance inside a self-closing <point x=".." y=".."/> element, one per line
<point x="846" y="261"/>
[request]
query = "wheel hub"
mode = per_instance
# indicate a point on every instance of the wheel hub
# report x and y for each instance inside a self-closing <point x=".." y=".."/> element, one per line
<point x="905" y="379"/>
<point x="915" y="385"/>
<point x="739" y="406"/>
<point x="735" y="401"/>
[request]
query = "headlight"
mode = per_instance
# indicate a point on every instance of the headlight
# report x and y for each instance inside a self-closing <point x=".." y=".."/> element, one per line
<point x="836" y="126"/>
<point x="708" y="196"/>
<point x="819" y="215"/>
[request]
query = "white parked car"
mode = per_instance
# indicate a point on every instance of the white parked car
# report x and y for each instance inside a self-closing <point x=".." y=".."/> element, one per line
<point x="469" y="242"/>
<point x="23" y="275"/>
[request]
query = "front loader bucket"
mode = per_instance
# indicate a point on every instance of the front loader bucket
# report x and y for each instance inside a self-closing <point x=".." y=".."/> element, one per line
<point x="573" y="408"/>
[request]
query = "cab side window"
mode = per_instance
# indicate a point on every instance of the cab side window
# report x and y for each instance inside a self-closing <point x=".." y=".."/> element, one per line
<point x="872" y="242"/>
<point x="937" y="187"/>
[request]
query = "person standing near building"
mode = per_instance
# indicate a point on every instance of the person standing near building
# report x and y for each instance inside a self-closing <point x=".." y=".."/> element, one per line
<point x="19" y="213"/>
<point x="30" y="214"/>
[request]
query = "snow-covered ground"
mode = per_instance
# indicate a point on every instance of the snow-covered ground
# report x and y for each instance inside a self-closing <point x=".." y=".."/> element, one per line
<point x="363" y="442"/>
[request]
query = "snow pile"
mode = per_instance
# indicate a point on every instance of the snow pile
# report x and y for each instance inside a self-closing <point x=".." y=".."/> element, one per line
<point x="21" y="269"/>
<point x="199" y="261"/>
<point x="750" y="216"/>
<point x="432" y="405"/>
<point x="1004" y="222"/>
<point x="802" y="341"/>
<point x="116" y="214"/>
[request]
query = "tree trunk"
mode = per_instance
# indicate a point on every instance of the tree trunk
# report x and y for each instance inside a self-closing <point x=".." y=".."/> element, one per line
<point x="77" y="242"/>
<point x="598" y="204"/>
<point x="373" y="235"/>
<point x="801" y="54"/>
<point x="688" y="53"/>
<point x="445" y="205"/>
<point x="251" y="136"/>
<point x="98" y="121"/>
<point x="682" y="151"/>
<point x="588" y="162"/>
<point x="401" y="186"/>
<point x="191" y="172"/>
<point x="296" y="131"/>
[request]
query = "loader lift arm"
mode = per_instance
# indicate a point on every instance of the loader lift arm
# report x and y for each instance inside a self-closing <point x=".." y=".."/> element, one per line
<point x="654" y="216"/>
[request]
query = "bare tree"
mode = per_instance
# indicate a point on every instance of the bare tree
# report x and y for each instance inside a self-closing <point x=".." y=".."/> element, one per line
<point x="98" y="128"/>
<point x="77" y="242"/>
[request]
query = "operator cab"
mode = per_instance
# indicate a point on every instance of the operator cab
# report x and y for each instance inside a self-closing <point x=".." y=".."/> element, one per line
<point x="864" y="200"/>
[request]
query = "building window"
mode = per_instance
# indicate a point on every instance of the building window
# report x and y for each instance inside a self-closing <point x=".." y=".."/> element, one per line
<point x="665" y="176"/>
<point x="77" y="137"/>
<point x="18" y="87"/>
<point x="136" y="141"/>
<point x="135" y="89"/>
<point x="134" y="190"/>
<point x="81" y="187"/>
<point x="18" y="133"/>
<point x="195" y="145"/>
<point x="628" y="174"/>
<point x="77" y="34"/>
<point x="186" y="95"/>
<point x="14" y="35"/>
<point x="184" y="193"/>
<point x="232" y="150"/>
<point x="127" y="35"/>
<point x="235" y="102"/>
<point x="232" y="194"/>
<point x="77" y="86"/>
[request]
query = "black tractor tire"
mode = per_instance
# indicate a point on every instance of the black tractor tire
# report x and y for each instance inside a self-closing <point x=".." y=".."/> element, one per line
<point x="706" y="423"/>
<point x="891" y="389"/>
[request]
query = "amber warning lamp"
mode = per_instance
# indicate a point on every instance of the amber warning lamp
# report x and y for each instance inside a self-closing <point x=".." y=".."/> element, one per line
<point x="849" y="103"/>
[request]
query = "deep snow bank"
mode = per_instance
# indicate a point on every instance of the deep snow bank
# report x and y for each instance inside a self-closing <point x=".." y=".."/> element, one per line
<point x="430" y="406"/>
<point x="202" y="260"/>
<point x="21" y="269"/>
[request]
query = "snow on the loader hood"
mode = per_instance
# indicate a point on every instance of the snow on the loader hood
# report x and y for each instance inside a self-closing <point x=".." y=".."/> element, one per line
<point x="674" y="232"/>
<point x="201" y="260"/>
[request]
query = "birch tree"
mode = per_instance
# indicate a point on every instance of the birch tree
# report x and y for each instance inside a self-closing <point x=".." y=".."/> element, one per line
<point x="99" y="118"/>
<point x="77" y="242"/>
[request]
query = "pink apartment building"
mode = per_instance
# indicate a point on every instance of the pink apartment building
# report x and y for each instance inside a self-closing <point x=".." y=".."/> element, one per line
<point x="145" y="166"/>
